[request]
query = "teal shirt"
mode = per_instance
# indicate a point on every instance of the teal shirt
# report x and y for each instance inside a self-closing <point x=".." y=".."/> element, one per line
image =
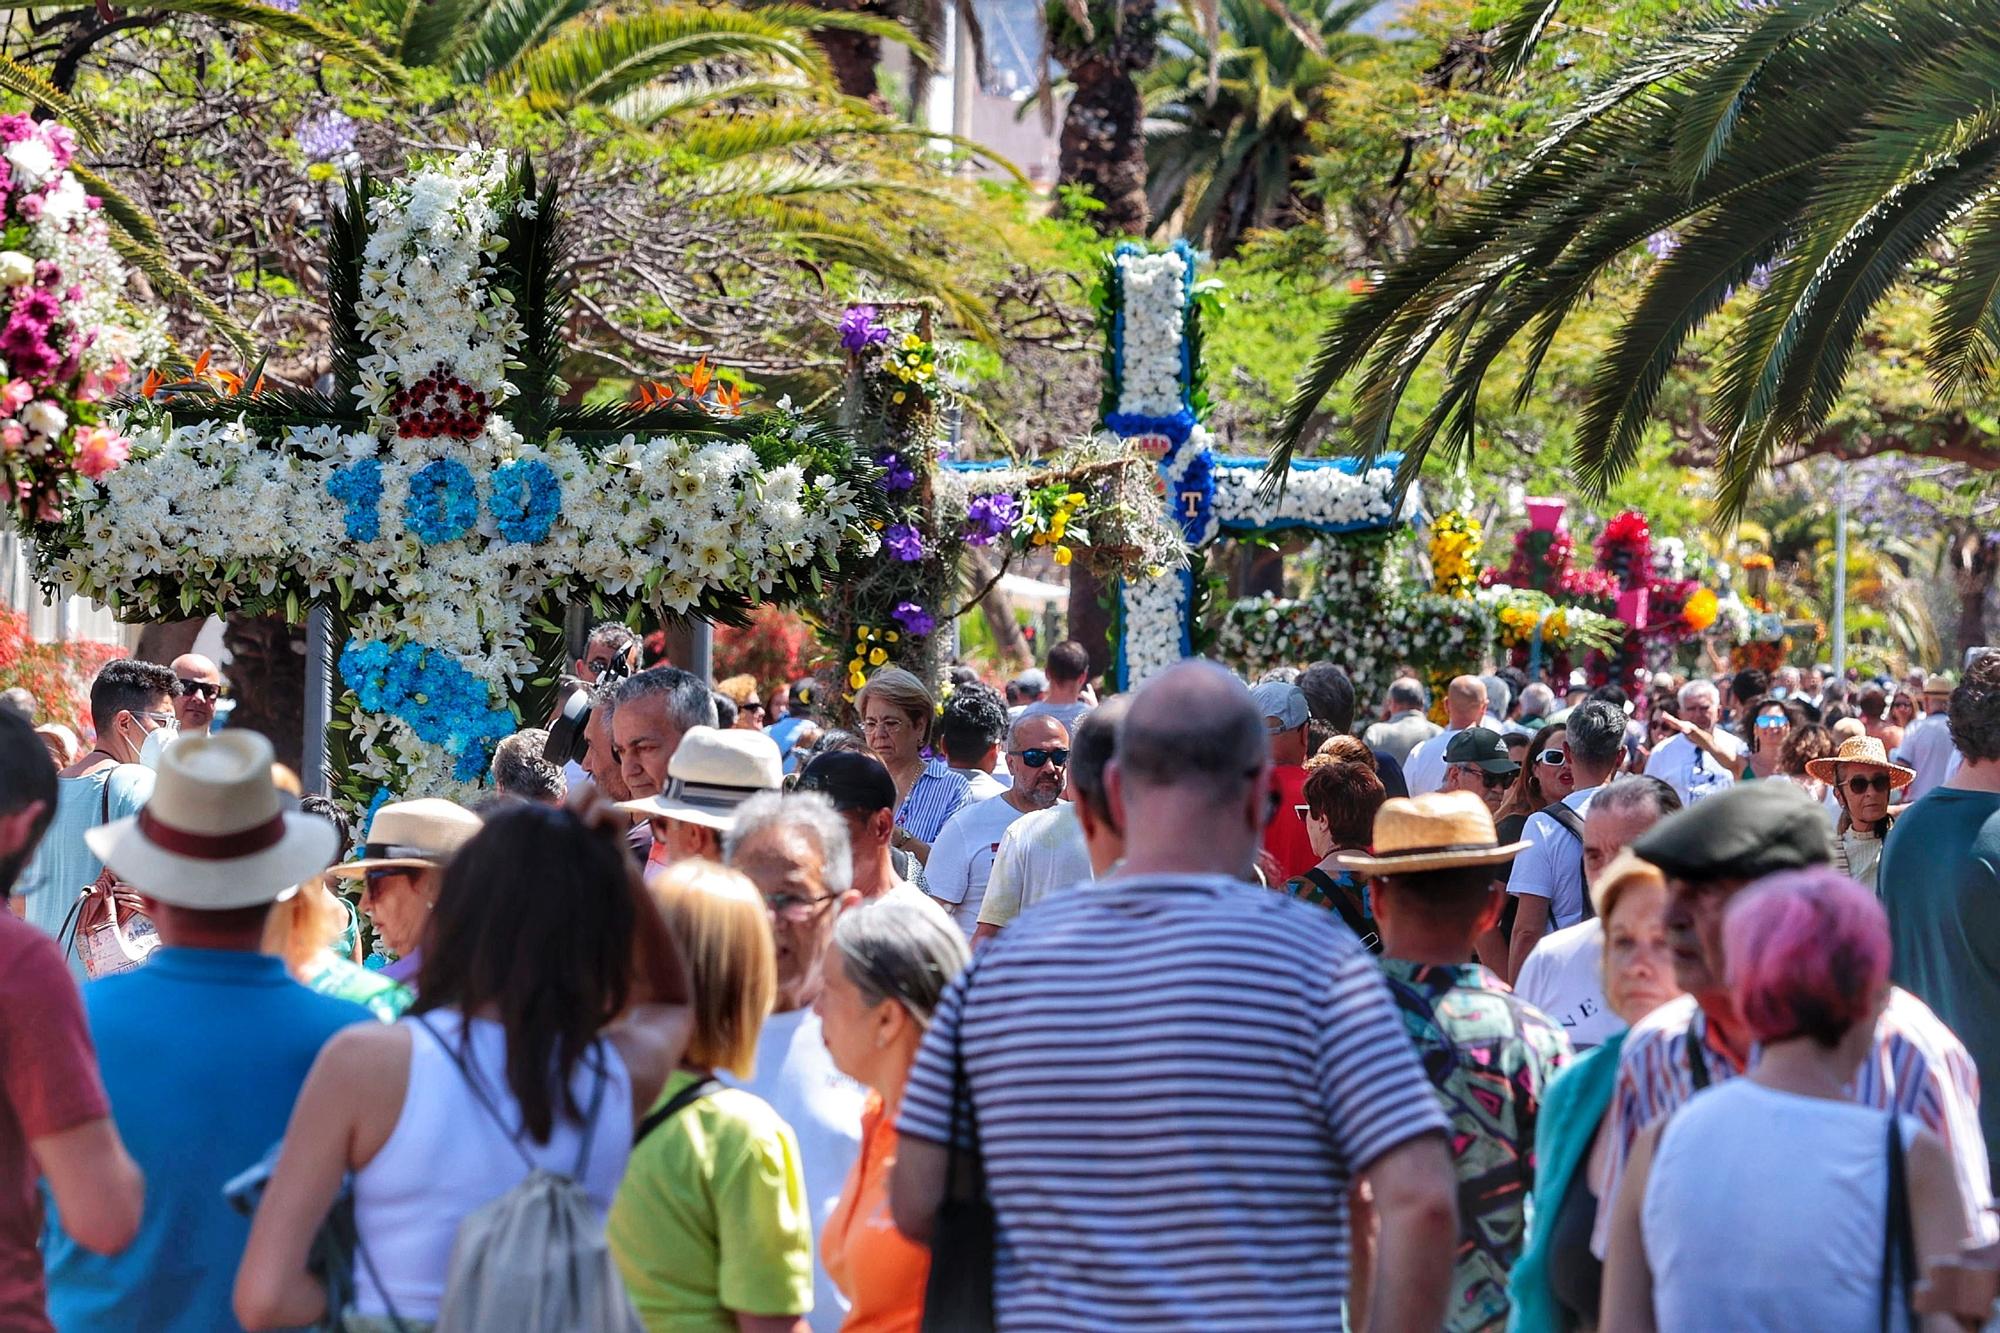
<point x="1572" y="1109"/>
<point x="203" y="1053"/>
<point x="1939" y="879"/>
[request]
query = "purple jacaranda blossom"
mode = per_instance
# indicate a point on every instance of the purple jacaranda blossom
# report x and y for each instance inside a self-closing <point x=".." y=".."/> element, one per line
<point x="904" y="542"/>
<point x="326" y="135"/>
<point x="914" y="619"/>
<point x="1662" y="244"/>
<point x="989" y="517"/>
<point x="858" y="329"/>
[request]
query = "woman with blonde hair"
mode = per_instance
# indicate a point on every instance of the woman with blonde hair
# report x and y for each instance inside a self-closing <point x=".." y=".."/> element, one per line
<point x="742" y="691"/>
<point x="710" y="1226"/>
<point x="314" y="929"/>
<point x="885" y="973"/>
<point x="896" y="716"/>
<point x="1556" y="1281"/>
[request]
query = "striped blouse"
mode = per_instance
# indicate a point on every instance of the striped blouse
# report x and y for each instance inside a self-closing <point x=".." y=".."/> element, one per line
<point x="1918" y="1064"/>
<point x="936" y="797"/>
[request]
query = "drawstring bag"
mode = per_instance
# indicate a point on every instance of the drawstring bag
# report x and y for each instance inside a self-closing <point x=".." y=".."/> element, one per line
<point x="535" y="1259"/>
<point x="105" y="925"/>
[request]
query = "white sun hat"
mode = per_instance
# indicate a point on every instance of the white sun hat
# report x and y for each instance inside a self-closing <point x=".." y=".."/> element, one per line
<point x="711" y="774"/>
<point x="215" y="835"/>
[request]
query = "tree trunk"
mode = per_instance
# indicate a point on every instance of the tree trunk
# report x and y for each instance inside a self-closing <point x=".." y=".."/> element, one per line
<point x="164" y="640"/>
<point x="1977" y="562"/>
<point x="1103" y="145"/>
<point x="853" y="56"/>
<point x="267" y="675"/>
<point x="1089" y="617"/>
<point x="1008" y="640"/>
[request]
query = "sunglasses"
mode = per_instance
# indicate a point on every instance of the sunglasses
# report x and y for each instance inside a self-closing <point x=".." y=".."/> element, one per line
<point x="1037" y="758"/>
<point x="373" y="880"/>
<point x="1553" y="758"/>
<point x="752" y="707"/>
<point x="1859" y="784"/>
<point x="207" y="689"/>
<point x="1771" y="722"/>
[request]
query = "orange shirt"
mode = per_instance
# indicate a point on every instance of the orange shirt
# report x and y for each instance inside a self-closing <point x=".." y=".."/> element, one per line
<point x="881" y="1272"/>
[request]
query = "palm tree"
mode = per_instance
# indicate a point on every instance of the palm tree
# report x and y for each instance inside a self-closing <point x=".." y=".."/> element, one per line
<point x="1229" y="121"/>
<point x="1793" y="162"/>
<point x="1103" y="47"/>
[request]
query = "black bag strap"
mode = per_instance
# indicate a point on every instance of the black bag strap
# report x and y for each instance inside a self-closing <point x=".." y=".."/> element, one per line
<point x="972" y="1183"/>
<point x="1572" y="823"/>
<point x="1899" y="1238"/>
<point x="1697" y="1058"/>
<point x="677" y="1103"/>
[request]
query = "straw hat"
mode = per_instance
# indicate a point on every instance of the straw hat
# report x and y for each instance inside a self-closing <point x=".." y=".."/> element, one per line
<point x="215" y="834"/>
<point x="1438" y="831"/>
<point x="1935" y="684"/>
<point x="1860" y="752"/>
<point x="413" y="834"/>
<point x="711" y="774"/>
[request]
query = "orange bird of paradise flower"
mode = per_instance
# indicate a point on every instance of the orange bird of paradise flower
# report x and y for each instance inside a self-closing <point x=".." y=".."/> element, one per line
<point x="696" y="381"/>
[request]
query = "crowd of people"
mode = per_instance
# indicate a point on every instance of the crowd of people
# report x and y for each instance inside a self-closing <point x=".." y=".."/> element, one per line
<point x="1218" y="1004"/>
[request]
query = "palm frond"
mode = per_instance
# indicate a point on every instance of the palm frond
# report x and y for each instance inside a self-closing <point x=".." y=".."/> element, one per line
<point x="646" y="107"/>
<point x="595" y="61"/>
<point x="508" y="30"/>
<point x="170" y="282"/>
<point x="809" y="18"/>
<point x="278" y="23"/>
<point x="120" y="207"/>
<point x="26" y="81"/>
<point x="434" y="31"/>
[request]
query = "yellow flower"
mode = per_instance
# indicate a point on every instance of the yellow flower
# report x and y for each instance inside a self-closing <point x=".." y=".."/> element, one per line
<point x="1060" y="526"/>
<point x="855" y="680"/>
<point x="877" y="656"/>
<point x="912" y="341"/>
<point x="1062" y="555"/>
<point x="898" y="396"/>
<point x="928" y="368"/>
<point x="892" y="636"/>
<point x="1074" y="499"/>
<point x="855" y="666"/>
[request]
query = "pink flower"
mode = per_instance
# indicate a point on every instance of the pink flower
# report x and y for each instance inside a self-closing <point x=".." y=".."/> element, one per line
<point x="17" y="395"/>
<point x="99" y="450"/>
<point x="13" y="435"/>
<point x="29" y="206"/>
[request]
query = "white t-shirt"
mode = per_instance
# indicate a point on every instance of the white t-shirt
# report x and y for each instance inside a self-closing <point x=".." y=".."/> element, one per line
<point x="1928" y="749"/>
<point x="1552" y="867"/>
<point x="823" y="1106"/>
<point x="1690" y="770"/>
<point x="1564" y="978"/>
<point x="1424" y="769"/>
<point x="1043" y="852"/>
<point x="962" y="858"/>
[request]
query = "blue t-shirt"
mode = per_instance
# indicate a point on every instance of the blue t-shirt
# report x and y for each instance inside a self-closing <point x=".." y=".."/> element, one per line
<point x="203" y="1053"/>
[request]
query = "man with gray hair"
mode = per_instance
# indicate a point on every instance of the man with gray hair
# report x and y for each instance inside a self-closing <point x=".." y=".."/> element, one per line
<point x="1548" y="882"/>
<point x="1227" y="1209"/>
<point x="519" y="769"/>
<point x="1498" y="699"/>
<point x="1564" y="976"/>
<point x="650" y="713"/>
<point x="794" y="849"/>
<point x="1703" y="759"/>
<point x="1464" y="706"/>
<point x="961" y="859"/>
<point x="1537" y="702"/>
<point x="1406" y="726"/>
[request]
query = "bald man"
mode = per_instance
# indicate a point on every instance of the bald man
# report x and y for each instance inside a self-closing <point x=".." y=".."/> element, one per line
<point x="200" y="686"/>
<point x="1465" y="706"/>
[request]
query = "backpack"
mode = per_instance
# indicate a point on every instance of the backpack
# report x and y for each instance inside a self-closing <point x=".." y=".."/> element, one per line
<point x="1572" y="824"/>
<point x="535" y="1259"/>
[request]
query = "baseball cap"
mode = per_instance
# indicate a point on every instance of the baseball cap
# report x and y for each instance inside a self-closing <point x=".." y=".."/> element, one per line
<point x="851" y="780"/>
<point x="1482" y="748"/>
<point x="1281" y="703"/>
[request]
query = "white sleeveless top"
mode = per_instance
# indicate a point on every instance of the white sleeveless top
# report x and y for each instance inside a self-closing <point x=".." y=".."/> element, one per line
<point x="1766" y="1210"/>
<point x="447" y="1157"/>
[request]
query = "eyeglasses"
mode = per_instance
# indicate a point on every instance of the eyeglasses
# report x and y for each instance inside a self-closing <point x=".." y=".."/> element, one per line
<point x="1859" y="783"/>
<point x="792" y="907"/>
<point x="160" y="720"/>
<point x="1553" y="758"/>
<point x="1773" y="721"/>
<point x="207" y="689"/>
<point x="1036" y="758"/>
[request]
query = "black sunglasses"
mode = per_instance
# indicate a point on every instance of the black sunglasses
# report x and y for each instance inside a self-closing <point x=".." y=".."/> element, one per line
<point x="1036" y="758"/>
<point x="1858" y="783"/>
<point x="207" y="689"/>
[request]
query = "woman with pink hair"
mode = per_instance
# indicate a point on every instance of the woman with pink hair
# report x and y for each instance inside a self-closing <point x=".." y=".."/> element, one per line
<point x="1774" y="1201"/>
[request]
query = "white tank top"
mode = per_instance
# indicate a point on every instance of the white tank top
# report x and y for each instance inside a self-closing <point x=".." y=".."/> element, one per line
<point x="447" y="1157"/>
<point x="1766" y="1210"/>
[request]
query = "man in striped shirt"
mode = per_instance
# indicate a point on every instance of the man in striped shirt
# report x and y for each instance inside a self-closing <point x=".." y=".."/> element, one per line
<point x="1176" y="1076"/>
<point x="1710" y="852"/>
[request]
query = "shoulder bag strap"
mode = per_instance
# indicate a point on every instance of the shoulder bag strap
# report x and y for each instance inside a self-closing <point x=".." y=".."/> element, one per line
<point x="1899" y="1241"/>
<point x="601" y="1065"/>
<point x="1697" y="1058"/>
<point x="479" y="1095"/>
<point x="1572" y="823"/>
<point x="973" y="1173"/>
<point x="679" y="1102"/>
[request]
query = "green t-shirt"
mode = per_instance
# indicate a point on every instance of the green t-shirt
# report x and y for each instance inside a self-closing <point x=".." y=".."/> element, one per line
<point x="1939" y="879"/>
<point x="711" y="1217"/>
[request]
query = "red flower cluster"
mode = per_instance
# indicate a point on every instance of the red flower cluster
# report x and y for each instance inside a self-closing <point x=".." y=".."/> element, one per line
<point x="439" y="405"/>
<point x="1626" y="549"/>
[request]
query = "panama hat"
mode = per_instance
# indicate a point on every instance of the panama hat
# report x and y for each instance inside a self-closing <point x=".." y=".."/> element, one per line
<point x="215" y="834"/>
<point x="1438" y="831"/>
<point x="413" y="835"/>
<point x="1861" y="752"/>
<point x="1935" y="684"/>
<point x="711" y="774"/>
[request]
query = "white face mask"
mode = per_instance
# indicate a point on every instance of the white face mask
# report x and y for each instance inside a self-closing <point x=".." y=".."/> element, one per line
<point x="157" y="741"/>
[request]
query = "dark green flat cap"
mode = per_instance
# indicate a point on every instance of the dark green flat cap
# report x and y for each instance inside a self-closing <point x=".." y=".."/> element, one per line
<point x="1751" y="830"/>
